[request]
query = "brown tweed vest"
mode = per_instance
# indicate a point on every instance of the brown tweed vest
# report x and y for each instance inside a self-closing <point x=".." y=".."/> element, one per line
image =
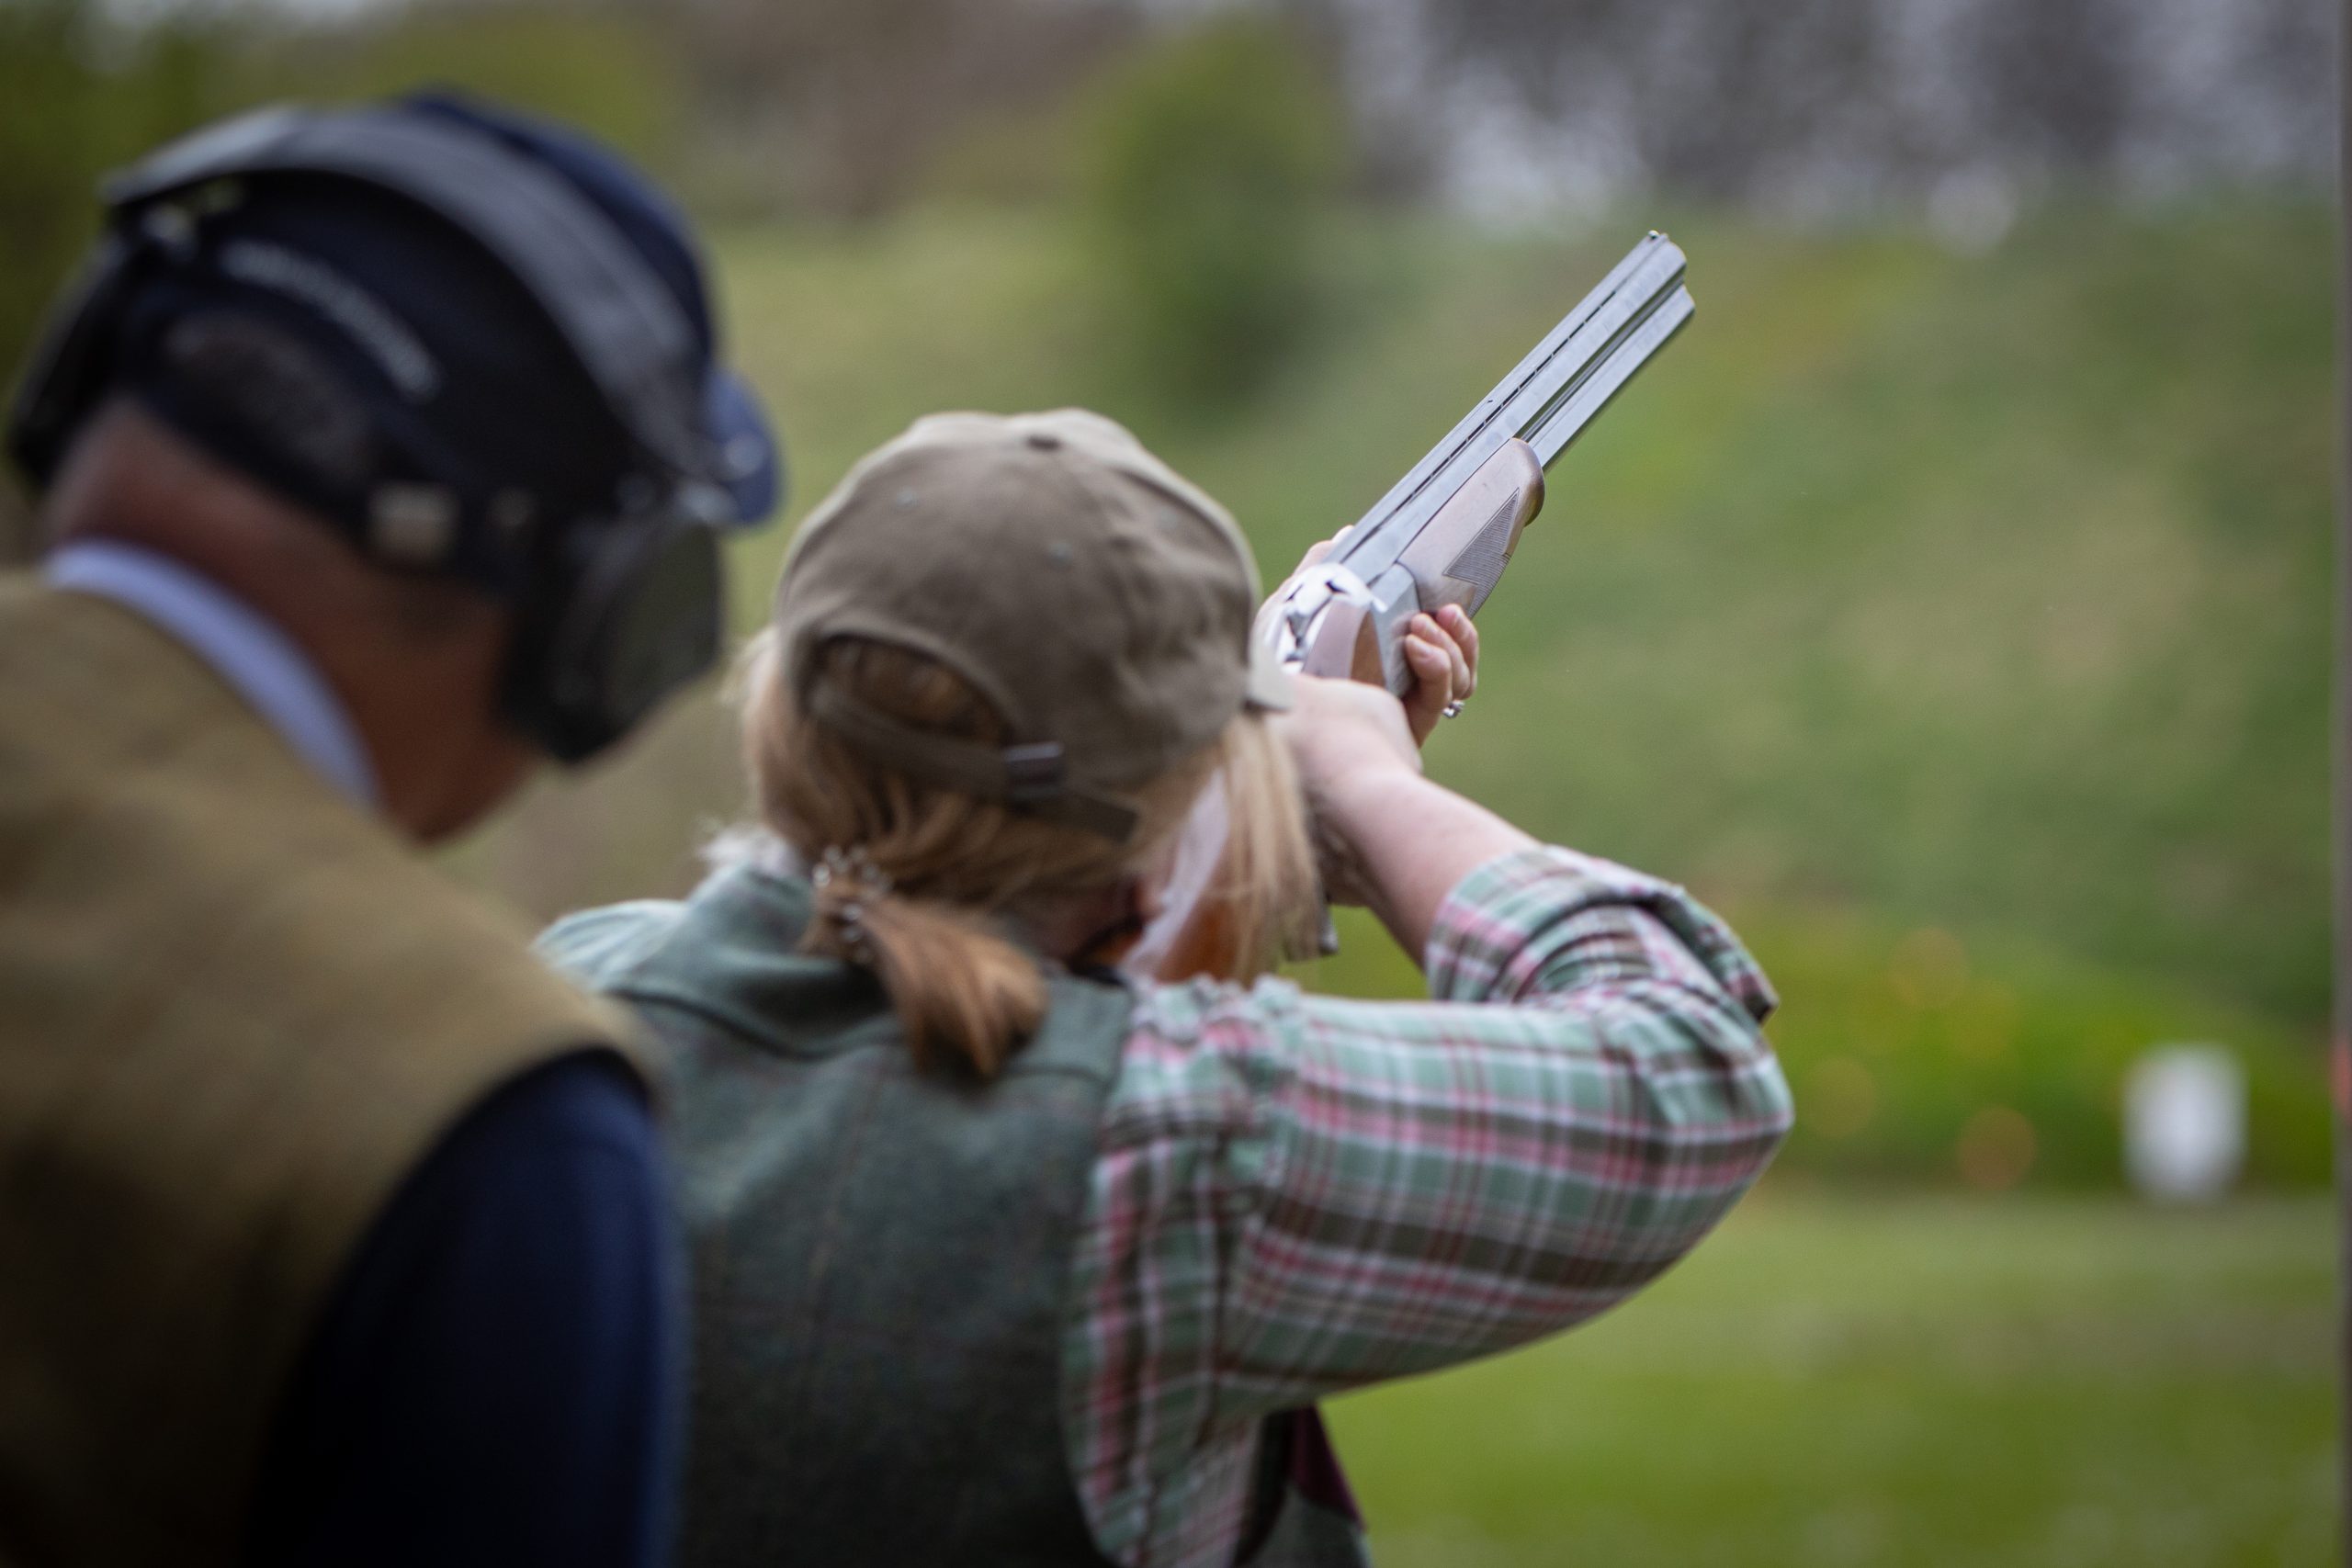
<point x="234" y="1011"/>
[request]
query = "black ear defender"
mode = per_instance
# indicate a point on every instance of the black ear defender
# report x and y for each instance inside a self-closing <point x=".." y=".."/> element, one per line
<point x="617" y="610"/>
<point x="641" y="613"/>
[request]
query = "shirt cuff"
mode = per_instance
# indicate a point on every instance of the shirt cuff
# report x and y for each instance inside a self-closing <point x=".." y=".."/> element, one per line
<point x="1544" y="920"/>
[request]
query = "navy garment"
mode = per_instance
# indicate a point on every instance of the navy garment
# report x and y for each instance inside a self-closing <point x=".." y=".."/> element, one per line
<point x="498" y="1379"/>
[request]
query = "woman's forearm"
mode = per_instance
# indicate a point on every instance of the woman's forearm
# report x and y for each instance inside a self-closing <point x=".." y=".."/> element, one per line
<point x="1411" y="841"/>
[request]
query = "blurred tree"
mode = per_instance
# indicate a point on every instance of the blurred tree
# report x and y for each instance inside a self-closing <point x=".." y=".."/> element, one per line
<point x="1814" y="106"/>
<point x="1212" y="153"/>
<point x="83" y="90"/>
<point x="2055" y="72"/>
<point x="77" y="96"/>
<point x="840" y="106"/>
<point x="49" y="156"/>
<point x="608" y="66"/>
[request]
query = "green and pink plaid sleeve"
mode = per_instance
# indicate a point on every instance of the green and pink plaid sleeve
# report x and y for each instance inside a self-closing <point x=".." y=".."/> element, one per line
<point x="1299" y="1195"/>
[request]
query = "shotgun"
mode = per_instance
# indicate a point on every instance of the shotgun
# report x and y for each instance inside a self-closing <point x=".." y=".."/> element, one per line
<point x="1444" y="532"/>
<point x="1441" y="535"/>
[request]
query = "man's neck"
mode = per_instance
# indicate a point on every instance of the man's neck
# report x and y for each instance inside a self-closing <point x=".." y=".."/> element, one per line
<point x="250" y="655"/>
<point x="414" y="663"/>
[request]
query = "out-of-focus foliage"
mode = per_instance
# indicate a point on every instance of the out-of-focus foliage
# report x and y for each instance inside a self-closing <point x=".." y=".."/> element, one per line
<point x="1033" y="156"/>
<point x="1212" y="155"/>
<point x="49" y="125"/>
<point x="1918" y="1060"/>
<point x="81" y="94"/>
<point x="1818" y="107"/>
<point x="843" y="108"/>
<point x="77" y="96"/>
<point x="611" y="70"/>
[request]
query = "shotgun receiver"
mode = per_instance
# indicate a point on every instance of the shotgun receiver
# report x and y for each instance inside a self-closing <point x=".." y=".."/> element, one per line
<point x="1442" y="535"/>
<point x="1445" y="532"/>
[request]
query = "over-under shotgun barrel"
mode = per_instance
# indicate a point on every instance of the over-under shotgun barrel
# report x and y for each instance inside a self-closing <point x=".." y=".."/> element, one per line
<point x="1444" y="532"/>
<point x="1442" y="537"/>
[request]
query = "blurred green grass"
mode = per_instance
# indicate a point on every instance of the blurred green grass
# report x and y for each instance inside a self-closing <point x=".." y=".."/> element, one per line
<point x="1957" y="623"/>
<point x="2019" y="1382"/>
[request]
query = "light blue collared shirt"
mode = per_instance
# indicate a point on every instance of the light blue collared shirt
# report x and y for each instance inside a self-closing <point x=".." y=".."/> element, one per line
<point x="256" y="660"/>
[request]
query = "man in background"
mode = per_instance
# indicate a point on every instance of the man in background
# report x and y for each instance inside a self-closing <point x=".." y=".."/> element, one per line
<point x="383" y="455"/>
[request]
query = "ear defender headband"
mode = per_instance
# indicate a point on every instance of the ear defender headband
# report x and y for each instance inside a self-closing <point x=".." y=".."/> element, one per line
<point x="627" y="607"/>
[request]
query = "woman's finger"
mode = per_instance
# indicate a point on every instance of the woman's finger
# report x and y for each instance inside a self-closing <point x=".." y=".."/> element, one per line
<point x="1464" y="632"/>
<point x="1459" y="659"/>
<point x="1432" y="668"/>
<point x="1440" y="630"/>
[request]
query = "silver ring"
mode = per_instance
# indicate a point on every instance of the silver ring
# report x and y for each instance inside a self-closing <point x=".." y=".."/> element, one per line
<point x="1453" y="708"/>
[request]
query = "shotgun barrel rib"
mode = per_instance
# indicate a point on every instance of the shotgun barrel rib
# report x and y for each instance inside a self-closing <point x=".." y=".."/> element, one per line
<point x="1444" y="532"/>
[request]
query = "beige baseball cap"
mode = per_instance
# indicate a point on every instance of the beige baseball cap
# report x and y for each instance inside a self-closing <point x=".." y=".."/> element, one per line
<point x="1099" y="602"/>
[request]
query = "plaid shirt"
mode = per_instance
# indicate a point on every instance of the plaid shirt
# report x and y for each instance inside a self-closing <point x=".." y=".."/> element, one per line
<point x="1299" y="1195"/>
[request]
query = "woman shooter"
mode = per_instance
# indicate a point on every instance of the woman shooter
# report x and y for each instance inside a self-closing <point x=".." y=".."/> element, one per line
<point x="1002" y="1257"/>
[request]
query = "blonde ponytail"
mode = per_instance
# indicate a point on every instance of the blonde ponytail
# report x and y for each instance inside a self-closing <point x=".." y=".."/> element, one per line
<point x="926" y="881"/>
<point x="958" y="987"/>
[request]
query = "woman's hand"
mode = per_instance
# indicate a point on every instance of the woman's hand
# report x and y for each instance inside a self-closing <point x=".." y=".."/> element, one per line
<point x="1339" y="731"/>
<point x="1384" y="835"/>
<point x="1442" y="650"/>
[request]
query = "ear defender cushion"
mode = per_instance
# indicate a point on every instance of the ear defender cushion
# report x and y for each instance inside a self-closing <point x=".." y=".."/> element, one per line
<point x="641" y="616"/>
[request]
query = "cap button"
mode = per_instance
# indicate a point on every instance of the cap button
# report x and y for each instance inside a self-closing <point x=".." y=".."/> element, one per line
<point x="1045" y="440"/>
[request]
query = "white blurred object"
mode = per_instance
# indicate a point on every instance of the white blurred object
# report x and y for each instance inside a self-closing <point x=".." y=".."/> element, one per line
<point x="1972" y="211"/>
<point x="2184" y="1122"/>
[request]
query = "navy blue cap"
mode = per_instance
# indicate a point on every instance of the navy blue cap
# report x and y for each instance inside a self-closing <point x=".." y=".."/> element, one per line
<point x="734" y="422"/>
<point x="468" y="390"/>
